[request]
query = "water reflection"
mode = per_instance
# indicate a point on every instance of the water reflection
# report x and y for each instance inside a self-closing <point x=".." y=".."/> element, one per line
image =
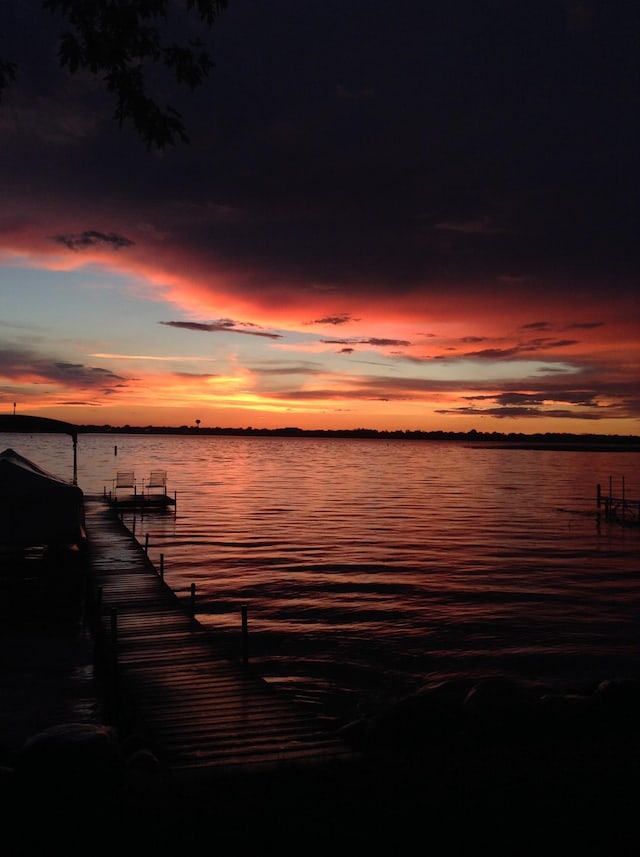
<point x="373" y="566"/>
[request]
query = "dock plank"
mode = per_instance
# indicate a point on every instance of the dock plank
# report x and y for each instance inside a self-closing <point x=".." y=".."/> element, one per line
<point x="203" y="713"/>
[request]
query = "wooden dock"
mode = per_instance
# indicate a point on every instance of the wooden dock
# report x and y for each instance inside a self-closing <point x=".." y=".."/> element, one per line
<point x="198" y="711"/>
<point x="124" y="493"/>
<point x="142" y="501"/>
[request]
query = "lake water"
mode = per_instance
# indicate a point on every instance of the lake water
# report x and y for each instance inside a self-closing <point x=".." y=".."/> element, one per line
<point x="370" y="567"/>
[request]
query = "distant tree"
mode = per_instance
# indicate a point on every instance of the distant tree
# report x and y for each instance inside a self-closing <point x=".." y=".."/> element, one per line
<point x="120" y="40"/>
<point x="197" y="423"/>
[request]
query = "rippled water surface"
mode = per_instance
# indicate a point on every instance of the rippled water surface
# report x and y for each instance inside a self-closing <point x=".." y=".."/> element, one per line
<point x="369" y="567"/>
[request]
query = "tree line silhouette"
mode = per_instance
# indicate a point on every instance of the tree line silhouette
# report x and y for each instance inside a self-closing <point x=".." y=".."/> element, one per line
<point x="545" y="439"/>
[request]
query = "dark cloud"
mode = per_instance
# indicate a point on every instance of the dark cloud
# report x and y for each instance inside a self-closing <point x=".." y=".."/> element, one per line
<point x="492" y="140"/>
<point x="221" y="326"/>
<point x="521" y="349"/>
<point x="519" y="412"/>
<point x="90" y="239"/>
<point x="85" y="375"/>
<point x="574" y="397"/>
<point x="275" y="369"/>
<point x="79" y="402"/>
<point x="23" y="366"/>
<point x="334" y="319"/>
<point x="370" y="146"/>
<point x="537" y="325"/>
<point x="205" y="376"/>
<point x="602" y="402"/>
<point x="373" y="341"/>
<point x="587" y="325"/>
<point x="553" y="400"/>
<point x="385" y="343"/>
<point x="545" y="325"/>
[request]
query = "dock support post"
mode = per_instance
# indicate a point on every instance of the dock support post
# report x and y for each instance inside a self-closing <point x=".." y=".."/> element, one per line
<point x="146" y="543"/>
<point x="245" y="635"/>
<point x="114" y="633"/>
<point x="96" y="627"/>
<point x="193" y="600"/>
<point x="161" y="566"/>
<point x="114" y="701"/>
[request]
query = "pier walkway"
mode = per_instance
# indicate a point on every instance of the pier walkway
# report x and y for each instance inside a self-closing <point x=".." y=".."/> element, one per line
<point x="199" y="712"/>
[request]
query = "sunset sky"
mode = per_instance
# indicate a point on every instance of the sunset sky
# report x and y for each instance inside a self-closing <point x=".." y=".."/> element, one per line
<point x="408" y="215"/>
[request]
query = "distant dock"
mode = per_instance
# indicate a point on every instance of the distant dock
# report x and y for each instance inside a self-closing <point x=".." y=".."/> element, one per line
<point x="620" y="509"/>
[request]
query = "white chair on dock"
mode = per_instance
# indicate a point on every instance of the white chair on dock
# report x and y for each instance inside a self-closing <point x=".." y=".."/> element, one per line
<point x="125" y="479"/>
<point x="157" y="482"/>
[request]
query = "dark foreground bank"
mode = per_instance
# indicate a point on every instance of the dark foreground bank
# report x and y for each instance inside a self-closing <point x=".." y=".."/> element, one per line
<point x="515" y="800"/>
<point x="455" y="769"/>
<point x="503" y="777"/>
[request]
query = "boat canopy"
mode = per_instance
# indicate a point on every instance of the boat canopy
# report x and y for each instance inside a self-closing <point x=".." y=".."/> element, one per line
<point x="37" y="508"/>
<point x="25" y="423"/>
<point x="28" y="423"/>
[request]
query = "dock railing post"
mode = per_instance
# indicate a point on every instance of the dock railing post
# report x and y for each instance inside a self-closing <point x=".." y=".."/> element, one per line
<point x="245" y="635"/>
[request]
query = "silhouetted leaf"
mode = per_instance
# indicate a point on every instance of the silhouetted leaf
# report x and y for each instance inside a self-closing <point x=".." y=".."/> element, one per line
<point x="119" y="40"/>
<point x="7" y="74"/>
